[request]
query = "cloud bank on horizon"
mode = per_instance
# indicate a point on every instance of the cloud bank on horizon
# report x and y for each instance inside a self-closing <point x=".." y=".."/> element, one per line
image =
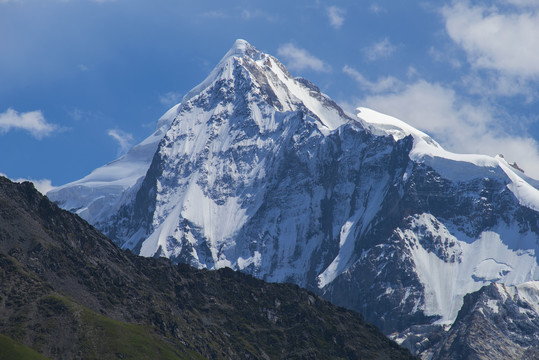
<point x="464" y="71"/>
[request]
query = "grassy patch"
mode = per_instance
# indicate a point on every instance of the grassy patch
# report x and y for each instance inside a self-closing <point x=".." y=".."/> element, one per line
<point x="10" y="349"/>
<point x="104" y="338"/>
<point x="100" y="337"/>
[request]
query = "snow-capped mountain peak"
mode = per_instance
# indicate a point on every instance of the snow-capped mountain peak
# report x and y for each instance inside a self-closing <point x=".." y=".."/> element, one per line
<point x="261" y="172"/>
<point x="274" y="83"/>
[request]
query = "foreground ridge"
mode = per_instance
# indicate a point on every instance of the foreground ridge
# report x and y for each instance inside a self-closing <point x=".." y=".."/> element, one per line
<point x="68" y="292"/>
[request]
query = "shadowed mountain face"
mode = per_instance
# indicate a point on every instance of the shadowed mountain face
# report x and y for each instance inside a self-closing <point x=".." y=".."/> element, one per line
<point x="68" y="292"/>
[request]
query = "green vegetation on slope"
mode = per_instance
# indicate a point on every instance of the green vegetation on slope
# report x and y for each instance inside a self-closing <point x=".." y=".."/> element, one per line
<point x="11" y="349"/>
<point x="105" y="338"/>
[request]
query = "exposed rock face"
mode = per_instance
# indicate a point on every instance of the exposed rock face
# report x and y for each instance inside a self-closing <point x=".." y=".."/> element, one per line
<point x="496" y="322"/>
<point x="263" y="173"/>
<point x="68" y="292"/>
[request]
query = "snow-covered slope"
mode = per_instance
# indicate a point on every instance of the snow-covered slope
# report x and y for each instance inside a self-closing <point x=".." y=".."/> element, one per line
<point x="458" y="167"/>
<point x="261" y="172"/>
<point x="99" y="194"/>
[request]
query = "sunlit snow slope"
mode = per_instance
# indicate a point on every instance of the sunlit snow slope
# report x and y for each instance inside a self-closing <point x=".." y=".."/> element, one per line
<point x="99" y="194"/>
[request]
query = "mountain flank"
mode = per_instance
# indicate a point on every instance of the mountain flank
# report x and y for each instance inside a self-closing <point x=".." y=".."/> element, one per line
<point x="67" y="292"/>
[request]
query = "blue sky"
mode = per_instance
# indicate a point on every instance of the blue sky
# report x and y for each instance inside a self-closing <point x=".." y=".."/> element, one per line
<point x="82" y="80"/>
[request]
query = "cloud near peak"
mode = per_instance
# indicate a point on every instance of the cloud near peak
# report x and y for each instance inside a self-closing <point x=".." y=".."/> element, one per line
<point x="124" y="140"/>
<point x="336" y="16"/>
<point x="33" y="121"/>
<point x="496" y="40"/>
<point x="379" y="50"/>
<point x="300" y="59"/>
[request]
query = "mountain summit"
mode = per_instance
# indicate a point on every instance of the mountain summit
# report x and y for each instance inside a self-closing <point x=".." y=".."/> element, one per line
<point x="261" y="172"/>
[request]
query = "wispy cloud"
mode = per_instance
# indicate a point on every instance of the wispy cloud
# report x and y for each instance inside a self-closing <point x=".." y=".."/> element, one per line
<point x="522" y="3"/>
<point x="300" y="59"/>
<point x="377" y="9"/>
<point x="336" y="16"/>
<point x="379" y="50"/>
<point x="77" y="114"/>
<point x="125" y="140"/>
<point x="251" y="14"/>
<point x="33" y="121"/>
<point x="444" y="56"/>
<point x="170" y="98"/>
<point x="381" y="85"/>
<point x="493" y="85"/>
<point x="215" y="14"/>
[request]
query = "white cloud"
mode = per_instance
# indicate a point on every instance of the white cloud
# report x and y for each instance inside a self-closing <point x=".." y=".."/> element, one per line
<point x="457" y="125"/>
<point x="125" y="140"/>
<point x="43" y="185"/>
<point x="379" y="50"/>
<point x="170" y="98"/>
<point x="336" y="16"/>
<point x="493" y="84"/>
<point x="300" y="59"/>
<point x="505" y="42"/>
<point x="33" y="121"/>
<point x="377" y="9"/>
<point x="381" y="85"/>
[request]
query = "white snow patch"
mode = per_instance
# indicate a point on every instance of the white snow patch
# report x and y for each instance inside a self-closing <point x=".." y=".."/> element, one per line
<point x="159" y="237"/>
<point x="339" y="264"/>
<point x="529" y="292"/>
<point x="256" y="259"/>
<point x="446" y="283"/>
<point x="493" y="305"/>
<point x="490" y="270"/>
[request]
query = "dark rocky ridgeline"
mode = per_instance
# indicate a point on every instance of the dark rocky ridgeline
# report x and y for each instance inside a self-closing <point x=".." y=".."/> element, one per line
<point x="67" y="292"/>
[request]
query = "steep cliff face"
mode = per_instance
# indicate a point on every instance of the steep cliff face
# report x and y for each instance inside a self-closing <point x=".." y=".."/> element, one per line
<point x="263" y="173"/>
